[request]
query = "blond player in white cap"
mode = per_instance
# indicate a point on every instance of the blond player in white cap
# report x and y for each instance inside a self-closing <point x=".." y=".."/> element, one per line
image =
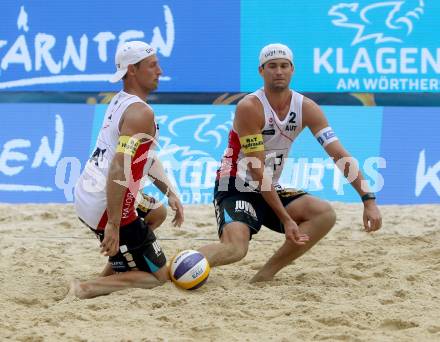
<point x="247" y="194"/>
<point x="108" y="190"/>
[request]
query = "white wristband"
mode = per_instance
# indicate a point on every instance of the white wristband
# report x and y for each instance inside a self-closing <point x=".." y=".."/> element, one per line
<point x="326" y="136"/>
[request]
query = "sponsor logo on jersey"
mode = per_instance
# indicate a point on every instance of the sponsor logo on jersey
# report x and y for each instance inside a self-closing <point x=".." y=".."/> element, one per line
<point x="268" y="132"/>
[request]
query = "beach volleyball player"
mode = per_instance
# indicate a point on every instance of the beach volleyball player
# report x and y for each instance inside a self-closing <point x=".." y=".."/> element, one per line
<point x="247" y="194"/>
<point x="107" y="192"/>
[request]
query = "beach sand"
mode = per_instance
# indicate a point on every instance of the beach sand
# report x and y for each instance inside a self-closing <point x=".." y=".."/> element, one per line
<point x="352" y="286"/>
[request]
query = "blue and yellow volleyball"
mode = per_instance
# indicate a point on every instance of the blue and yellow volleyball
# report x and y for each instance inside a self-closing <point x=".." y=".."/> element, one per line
<point x="189" y="269"/>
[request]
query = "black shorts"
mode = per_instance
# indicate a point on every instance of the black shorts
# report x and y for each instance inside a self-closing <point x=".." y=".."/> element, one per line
<point x="249" y="207"/>
<point x="138" y="249"/>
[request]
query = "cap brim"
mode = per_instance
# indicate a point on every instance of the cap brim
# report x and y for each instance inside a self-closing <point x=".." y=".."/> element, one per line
<point x="117" y="75"/>
<point x="270" y="59"/>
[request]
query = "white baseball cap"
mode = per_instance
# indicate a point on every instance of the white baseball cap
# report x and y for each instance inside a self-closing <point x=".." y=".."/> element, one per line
<point x="130" y="53"/>
<point x="275" y="51"/>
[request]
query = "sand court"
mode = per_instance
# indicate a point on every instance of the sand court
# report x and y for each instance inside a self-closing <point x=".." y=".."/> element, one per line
<point x="350" y="287"/>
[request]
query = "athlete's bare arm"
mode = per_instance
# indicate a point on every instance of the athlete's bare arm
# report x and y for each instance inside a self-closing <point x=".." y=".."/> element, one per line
<point x="248" y="122"/>
<point x="137" y="119"/>
<point x="315" y="120"/>
<point x="158" y="175"/>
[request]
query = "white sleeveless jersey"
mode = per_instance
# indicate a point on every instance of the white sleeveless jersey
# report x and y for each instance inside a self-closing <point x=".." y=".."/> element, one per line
<point x="278" y="137"/>
<point x="90" y="190"/>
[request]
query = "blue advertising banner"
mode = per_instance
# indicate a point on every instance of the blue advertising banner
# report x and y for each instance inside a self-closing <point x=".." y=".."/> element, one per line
<point x="70" y="45"/>
<point x="208" y="46"/>
<point x="350" y="46"/>
<point x="193" y="137"/>
<point x="410" y="144"/>
<point x="42" y="147"/>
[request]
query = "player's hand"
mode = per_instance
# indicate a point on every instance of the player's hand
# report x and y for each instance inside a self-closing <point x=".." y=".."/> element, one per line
<point x="372" y="217"/>
<point x="110" y="243"/>
<point x="176" y="206"/>
<point x="293" y="234"/>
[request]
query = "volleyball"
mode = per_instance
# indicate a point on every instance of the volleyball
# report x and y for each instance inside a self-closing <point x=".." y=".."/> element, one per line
<point x="189" y="270"/>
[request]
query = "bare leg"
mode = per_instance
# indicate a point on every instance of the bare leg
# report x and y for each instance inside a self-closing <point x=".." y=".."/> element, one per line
<point x="155" y="217"/>
<point x="109" y="281"/>
<point x="108" y="270"/>
<point x="316" y="217"/>
<point x="119" y="281"/>
<point x="233" y="245"/>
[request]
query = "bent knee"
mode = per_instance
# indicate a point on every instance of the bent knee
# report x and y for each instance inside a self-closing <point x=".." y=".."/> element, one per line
<point x="239" y="252"/>
<point x="156" y="217"/>
<point x="330" y="214"/>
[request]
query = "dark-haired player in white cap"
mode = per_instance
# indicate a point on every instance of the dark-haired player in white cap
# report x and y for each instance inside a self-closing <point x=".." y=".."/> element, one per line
<point x="108" y="190"/>
<point x="247" y="194"/>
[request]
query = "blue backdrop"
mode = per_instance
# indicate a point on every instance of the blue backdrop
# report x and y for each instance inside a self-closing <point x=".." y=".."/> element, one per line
<point x="412" y="149"/>
<point x="339" y="46"/>
<point x="36" y="141"/>
<point x="376" y="46"/>
<point x="65" y="45"/>
<point x="43" y="148"/>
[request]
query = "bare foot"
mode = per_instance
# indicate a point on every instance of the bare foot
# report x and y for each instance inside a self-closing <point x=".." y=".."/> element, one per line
<point x="259" y="278"/>
<point x="78" y="290"/>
